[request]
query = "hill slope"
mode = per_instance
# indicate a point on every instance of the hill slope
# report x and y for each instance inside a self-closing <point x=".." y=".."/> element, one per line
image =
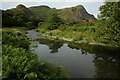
<point x="22" y="9"/>
<point x="76" y="13"/>
<point x="40" y="11"/>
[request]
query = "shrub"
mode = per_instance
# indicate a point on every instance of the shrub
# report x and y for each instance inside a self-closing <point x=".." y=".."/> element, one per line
<point x="19" y="64"/>
<point x="15" y="39"/>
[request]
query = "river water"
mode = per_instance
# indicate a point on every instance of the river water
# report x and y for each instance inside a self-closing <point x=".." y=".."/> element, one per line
<point x="80" y="60"/>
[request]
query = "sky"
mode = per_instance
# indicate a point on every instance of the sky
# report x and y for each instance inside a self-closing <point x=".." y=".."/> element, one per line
<point x="57" y="0"/>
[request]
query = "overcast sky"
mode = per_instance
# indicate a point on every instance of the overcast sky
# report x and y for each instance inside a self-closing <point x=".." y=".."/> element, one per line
<point x="90" y="5"/>
<point x="52" y="0"/>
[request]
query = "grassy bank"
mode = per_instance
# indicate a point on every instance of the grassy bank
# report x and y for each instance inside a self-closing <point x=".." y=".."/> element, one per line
<point x="82" y="34"/>
<point x="19" y="63"/>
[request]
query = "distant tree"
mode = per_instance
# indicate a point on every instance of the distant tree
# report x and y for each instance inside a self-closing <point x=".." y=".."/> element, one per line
<point x="35" y="21"/>
<point x="29" y="25"/>
<point x="7" y="19"/>
<point x="10" y="19"/>
<point x="54" y="21"/>
<point x="53" y="18"/>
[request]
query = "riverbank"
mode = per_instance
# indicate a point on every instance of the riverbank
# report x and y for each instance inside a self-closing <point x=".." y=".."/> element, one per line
<point x="84" y="35"/>
<point x="79" y="42"/>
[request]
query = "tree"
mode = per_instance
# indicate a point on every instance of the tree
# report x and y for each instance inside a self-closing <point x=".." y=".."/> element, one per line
<point x="29" y="25"/>
<point x="53" y="21"/>
<point x="35" y="21"/>
<point x="7" y="20"/>
<point x="53" y="18"/>
<point x="109" y="22"/>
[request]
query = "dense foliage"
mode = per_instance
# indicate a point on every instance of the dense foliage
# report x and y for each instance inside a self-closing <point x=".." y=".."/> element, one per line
<point x="14" y="39"/>
<point x="53" y="22"/>
<point x="10" y="19"/>
<point x="109" y="23"/>
<point x="21" y="64"/>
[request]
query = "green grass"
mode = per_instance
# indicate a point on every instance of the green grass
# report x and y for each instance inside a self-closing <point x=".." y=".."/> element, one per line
<point x="14" y="29"/>
<point x="85" y="34"/>
<point x="82" y="33"/>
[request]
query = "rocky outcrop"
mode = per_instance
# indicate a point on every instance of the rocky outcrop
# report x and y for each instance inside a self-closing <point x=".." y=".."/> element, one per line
<point x="76" y="13"/>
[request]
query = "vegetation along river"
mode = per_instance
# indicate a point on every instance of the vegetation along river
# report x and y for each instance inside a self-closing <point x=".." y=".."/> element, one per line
<point x="80" y="60"/>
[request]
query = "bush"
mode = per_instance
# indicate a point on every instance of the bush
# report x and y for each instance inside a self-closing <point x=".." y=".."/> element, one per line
<point x="19" y="64"/>
<point x="15" y="39"/>
<point x="78" y="38"/>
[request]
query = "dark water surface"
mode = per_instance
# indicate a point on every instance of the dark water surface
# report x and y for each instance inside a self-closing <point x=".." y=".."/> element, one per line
<point x="81" y="60"/>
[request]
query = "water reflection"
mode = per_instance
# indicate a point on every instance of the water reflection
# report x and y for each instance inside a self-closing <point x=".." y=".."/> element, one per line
<point x="106" y="59"/>
<point x="92" y="61"/>
<point x="107" y="65"/>
<point x="53" y="45"/>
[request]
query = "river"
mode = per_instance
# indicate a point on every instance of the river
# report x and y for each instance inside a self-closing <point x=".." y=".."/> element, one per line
<point x="80" y="60"/>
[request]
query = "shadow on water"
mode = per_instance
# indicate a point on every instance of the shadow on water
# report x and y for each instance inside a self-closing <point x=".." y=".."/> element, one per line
<point x="53" y="45"/>
<point x="106" y="59"/>
<point x="81" y="60"/>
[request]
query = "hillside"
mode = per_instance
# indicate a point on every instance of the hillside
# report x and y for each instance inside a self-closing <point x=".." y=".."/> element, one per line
<point x="40" y="11"/>
<point x="22" y="9"/>
<point x="76" y="13"/>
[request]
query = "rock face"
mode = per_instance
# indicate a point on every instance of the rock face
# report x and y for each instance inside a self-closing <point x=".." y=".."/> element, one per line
<point x="76" y="13"/>
<point x="73" y="13"/>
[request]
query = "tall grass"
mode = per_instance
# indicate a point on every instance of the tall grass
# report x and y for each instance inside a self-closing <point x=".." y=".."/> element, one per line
<point x="82" y="33"/>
